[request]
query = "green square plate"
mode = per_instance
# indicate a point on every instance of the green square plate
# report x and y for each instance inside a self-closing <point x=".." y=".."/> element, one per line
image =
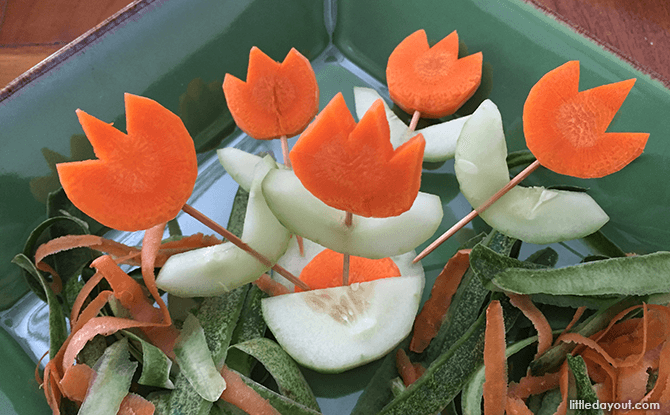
<point x="177" y="52"/>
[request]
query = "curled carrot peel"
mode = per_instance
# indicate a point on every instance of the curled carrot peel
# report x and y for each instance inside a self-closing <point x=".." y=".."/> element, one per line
<point x="76" y="381"/>
<point x="325" y="270"/>
<point x="566" y="129"/>
<point x="544" y="336"/>
<point x="432" y="314"/>
<point x="432" y="80"/>
<point x="134" y="404"/>
<point x="270" y="286"/>
<point x="353" y="167"/>
<point x="139" y="179"/>
<point x="409" y="372"/>
<point x="243" y="396"/>
<point x="277" y="99"/>
<point x="495" y="362"/>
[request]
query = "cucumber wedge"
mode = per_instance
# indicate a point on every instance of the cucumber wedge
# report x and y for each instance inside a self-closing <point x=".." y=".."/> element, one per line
<point x="532" y="214"/>
<point x="217" y="269"/>
<point x="336" y="329"/>
<point x="305" y="215"/>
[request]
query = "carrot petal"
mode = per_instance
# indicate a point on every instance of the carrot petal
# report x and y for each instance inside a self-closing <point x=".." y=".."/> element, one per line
<point x="139" y="179"/>
<point x="433" y="80"/>
<point x="353" y="167"/>
<point x="566" y="129"/>
<point x="277" y="99"/>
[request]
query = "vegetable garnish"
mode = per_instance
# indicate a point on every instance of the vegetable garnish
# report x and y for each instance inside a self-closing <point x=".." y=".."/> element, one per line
<point x="277" y="99"/>
<point x="243" y="396"/>
<point x="409" y="372"/>
<point x="432" y="314"/>
<point x="495" y="386"/>
<point x="567" y="129"/>
<point x="353" y="167"/>
<point x="432" y="81"/>
<point x="325" y="270"/>
<point x="141" y="178"/>
<point x="544" y="336"/>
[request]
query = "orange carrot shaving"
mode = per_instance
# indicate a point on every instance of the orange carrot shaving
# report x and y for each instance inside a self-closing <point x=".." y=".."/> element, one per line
<point x="432" y="314"/>
<point x="353" y="167"/>
<point x="632" y="382"/>
<point x="409" y="372"/>
<point x="432" y="80"/>
<point x="243" y="396"/>
<point x="325" y="270"/>
<point x="575" y="318"/>
<point x="277" y="99"/>
<point x="515" y="406"/>
<point x="139" y="179"/>
<point x="544" y="336"/>
<point x="495" y="362"/>
<point x="134" y="404"/>
<point x="563" y="385"/>
<point x="75" y="382"/>
<point x="270" y="286"/>
<point x="533" y="385"/>
<point x="565" y="128"/>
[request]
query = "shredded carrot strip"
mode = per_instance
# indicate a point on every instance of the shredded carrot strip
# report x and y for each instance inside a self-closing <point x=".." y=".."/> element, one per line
<point x="563" y="384"/>
<point x="495" y="362"/>
<point x="575" y="318"/>
<point x="662" y="382"/>
<point x="134" y="404"/>
<point x="83" y="295"/>
<point x="150" y="246"/>
<point x="533" y="385"/>
<point x="515" y="406"/>
<point x="243" y="396"/>
<point x="76" y="381"/>
<point x="632" y="382"/>
<point x="270" y="286"/>
<point x="432" y="314"/>
<point x="408" y="370"/>
<point x="544" y="336"/>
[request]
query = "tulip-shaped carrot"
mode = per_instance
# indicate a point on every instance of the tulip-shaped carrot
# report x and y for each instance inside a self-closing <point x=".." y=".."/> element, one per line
<point x="143" y="178"/>
<point x="431" y="82"/>
<point x="277" y="99"/>
<point x="566" y="131"/>
<point x="353" y="167"/>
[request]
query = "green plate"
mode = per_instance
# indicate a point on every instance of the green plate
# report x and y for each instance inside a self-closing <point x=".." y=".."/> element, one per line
<point x="177" y="52"/>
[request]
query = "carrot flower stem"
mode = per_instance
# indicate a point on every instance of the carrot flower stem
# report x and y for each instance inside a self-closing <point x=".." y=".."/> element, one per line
<point x="460" y="224"/>
<point x="200" y="217"/>
<point x="348" y="220"/>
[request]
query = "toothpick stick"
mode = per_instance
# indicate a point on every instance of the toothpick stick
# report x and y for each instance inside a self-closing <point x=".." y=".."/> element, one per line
<point x="348" y="220"/>
<point x="287" y="163"/>
<point x="200" y="217"/>
<point x="458" y="226"/>
<point x="415" y="120"/>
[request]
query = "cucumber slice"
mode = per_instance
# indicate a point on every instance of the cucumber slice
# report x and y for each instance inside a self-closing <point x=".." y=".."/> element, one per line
<point x="217" y="269"/>
<point x="305" y="215"/>
<point x="336" y="329"/>
<point x="440" y="138"/>
<point x="532" y="214"/>
<point x="239" y="164"/>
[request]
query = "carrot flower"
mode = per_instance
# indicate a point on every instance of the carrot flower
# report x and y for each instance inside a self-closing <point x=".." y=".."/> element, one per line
<point x="353" y="167"/>
<point x="140" y="179"/>
<point x="566" y="129"/>
<point x="432" y="80"/>
<point x="277" y="99"/>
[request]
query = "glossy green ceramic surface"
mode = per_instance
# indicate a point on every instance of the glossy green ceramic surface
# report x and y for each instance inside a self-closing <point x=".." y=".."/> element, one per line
<point x="177" y="52"/>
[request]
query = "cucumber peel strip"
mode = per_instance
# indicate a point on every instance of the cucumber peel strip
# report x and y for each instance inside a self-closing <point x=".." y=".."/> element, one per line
<point x="114" y="374"/>
<point x="195" y="361"/>
<point x="155" y="364"/>
<point x="283" y="369"/>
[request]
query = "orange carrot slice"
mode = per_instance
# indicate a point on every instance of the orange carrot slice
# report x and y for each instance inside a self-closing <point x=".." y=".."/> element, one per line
<point x="432" y="314"/>
<point x="277" y="99"/>
<point x="544" y="336"/>
<point x="353" y="167"/>
<point x="139" y="179"/>
<point x="565" y="128"/>
<point x="243" y="396"/>
<point x="495" y="362"/>
<point x="325" y="270"/>
<point x="432" y="80"/>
